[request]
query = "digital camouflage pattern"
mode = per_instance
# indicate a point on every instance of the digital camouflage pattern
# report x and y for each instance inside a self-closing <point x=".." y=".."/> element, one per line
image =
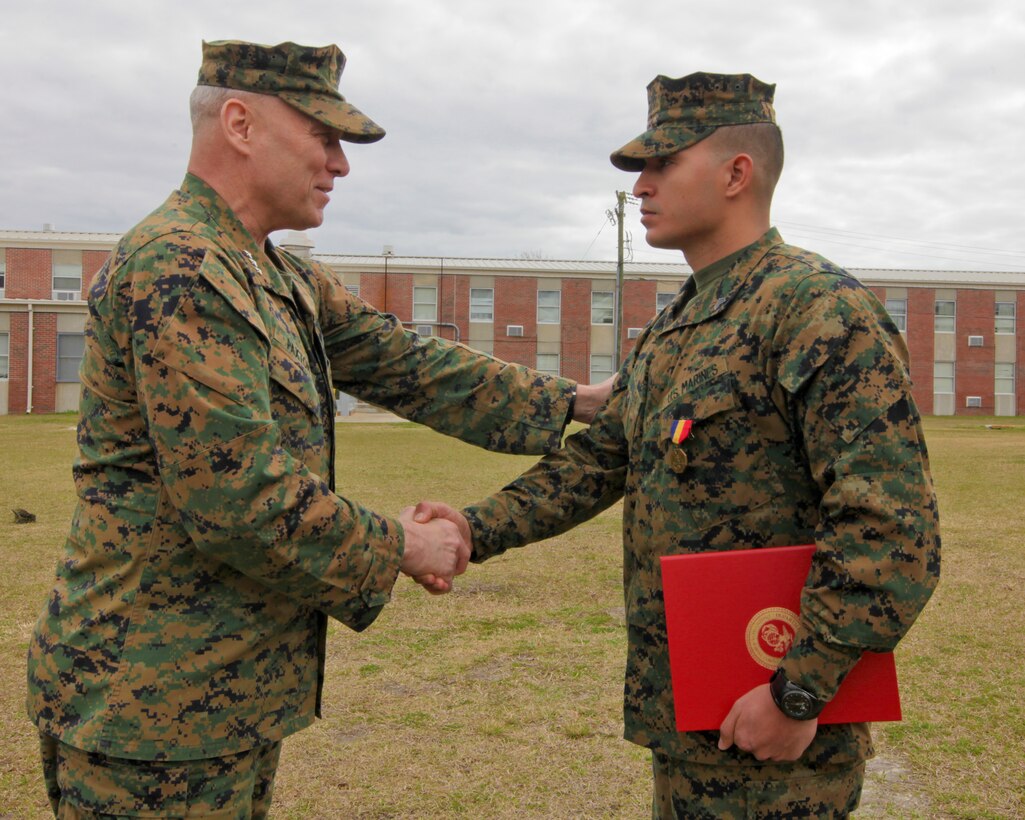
<point x="188" y="618"/>
<point x="89" y="785"/>
<point x="684" y="111"/>
<point x="689" y="791"/>
<point x="305" y="77"/>
<point x="804" y="430"/>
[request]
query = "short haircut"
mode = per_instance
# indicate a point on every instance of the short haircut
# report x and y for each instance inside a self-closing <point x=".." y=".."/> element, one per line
<point x="206" y="102"/>
<point x="762" y="141"/>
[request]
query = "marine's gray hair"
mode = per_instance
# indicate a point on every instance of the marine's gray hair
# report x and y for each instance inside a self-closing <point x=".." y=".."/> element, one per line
<point x="206" y="101"/>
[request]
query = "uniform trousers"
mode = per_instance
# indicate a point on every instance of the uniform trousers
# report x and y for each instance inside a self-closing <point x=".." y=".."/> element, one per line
<point x="694" y="791"/>
<point x="89" y="786"/>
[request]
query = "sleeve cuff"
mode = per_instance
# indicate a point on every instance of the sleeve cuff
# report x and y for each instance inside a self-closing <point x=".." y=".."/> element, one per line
<point x="817" y="666"/>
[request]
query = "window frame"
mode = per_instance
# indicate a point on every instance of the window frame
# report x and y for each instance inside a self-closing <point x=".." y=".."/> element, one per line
<point x="5" y="355"/>
<point x="419" y="303"/>
<point x="1007" y="320"/>
<point x="66" y="266"/>
<point x="900" y="318"/>
<point x="557" y="307"/>
<point x="611" y="308"/>
<point x="945" y="317"/>
<point x="937" y="377"/>
<point x="600" y="374"/>
<point x="61" y="358"/>
<point x="558" y="364"/>
<point x="1009" y="379"/>
<point x="476" y="302"/>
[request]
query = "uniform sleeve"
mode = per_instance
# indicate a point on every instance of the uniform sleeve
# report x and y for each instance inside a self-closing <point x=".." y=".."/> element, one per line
<point x="843" y="367"/>
<point x="562" y="490"/>
<point x="204" y="382"/>
<point x="457" y="391"/>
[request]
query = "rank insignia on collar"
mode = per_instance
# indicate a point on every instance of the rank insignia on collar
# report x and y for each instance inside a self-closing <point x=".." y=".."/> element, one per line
<point x="249" y="256"/>
<point x="680" y="429"/>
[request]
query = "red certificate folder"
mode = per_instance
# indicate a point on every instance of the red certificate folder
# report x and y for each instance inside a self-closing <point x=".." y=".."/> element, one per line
<point x="731" y="616"/>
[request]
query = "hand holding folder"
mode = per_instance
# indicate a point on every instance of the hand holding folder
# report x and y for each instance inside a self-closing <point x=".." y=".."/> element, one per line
<point x="732" y="616"/>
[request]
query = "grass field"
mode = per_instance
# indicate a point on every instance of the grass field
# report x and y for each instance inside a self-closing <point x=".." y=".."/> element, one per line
<point x="503" y="699"/>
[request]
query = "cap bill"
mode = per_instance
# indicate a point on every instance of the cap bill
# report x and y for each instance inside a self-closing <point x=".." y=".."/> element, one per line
<point x="658" y="142"/>
<point x="353" y="124"/>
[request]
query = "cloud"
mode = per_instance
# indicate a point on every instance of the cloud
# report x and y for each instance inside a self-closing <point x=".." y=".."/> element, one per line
<point x="900" y="119"/>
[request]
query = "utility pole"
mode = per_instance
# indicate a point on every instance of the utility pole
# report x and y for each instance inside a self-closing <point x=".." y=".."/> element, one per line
<point x="617" y="320"/>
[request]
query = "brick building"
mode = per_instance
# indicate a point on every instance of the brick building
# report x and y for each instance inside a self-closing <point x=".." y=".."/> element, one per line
<point x="967" y="346"/>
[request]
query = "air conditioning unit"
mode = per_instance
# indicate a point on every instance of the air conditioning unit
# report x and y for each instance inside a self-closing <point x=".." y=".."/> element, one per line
<point x="633" y="332"/>
<point x="425" y="330"/>
<point x="514" y="330"/>
<point x="973" y="401"/>
<point x="67" y="295"/>
<point x="975" y="341"/>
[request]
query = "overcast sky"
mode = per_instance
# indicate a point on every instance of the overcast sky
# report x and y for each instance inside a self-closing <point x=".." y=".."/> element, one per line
<point x="903" y="121"/>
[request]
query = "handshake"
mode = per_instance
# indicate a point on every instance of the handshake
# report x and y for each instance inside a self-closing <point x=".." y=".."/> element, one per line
<point x="437" y="545"/>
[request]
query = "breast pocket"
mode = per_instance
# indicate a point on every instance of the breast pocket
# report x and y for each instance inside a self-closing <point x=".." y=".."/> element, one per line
<point x="715" y="451"/>
<point x="297" y="390"/>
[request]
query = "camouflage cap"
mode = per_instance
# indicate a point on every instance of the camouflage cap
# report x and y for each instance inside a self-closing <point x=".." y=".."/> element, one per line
<point x="305" y="77"/>
<point x="684" y="111"/>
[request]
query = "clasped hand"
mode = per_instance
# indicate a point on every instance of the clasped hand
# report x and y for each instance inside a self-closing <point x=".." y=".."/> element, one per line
<point x="756" y="725"/>
<point x="437" y="545"/>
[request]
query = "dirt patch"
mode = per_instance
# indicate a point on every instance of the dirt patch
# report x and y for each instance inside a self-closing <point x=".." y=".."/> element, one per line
<point x="891" y="790"/>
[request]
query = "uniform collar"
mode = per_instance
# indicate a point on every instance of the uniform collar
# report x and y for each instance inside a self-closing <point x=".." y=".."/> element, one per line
<point x="709" y="291"/>
<point x="203" y="202"/>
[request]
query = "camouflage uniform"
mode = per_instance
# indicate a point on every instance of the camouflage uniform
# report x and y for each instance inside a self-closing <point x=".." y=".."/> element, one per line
<point x="804" y="430"/>
<point x="208" y="546"/>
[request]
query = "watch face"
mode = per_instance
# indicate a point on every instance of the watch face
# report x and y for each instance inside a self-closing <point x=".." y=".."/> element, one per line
<point x="796" y="704"/>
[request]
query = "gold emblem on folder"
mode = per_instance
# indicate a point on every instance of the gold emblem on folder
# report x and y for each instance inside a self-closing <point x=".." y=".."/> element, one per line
<point x="770" y="634"/>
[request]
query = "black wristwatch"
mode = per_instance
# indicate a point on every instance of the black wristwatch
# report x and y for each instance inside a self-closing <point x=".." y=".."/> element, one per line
<point x="792" y="700"/>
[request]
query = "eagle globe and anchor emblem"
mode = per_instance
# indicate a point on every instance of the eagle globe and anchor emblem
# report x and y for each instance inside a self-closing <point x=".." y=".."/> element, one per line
<point x="770" y="634"/>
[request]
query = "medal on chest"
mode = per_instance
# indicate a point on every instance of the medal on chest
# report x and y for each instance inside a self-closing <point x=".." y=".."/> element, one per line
<point x="676" y="456"/>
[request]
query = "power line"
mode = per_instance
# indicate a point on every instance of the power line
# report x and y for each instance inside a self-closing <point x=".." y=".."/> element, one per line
<point x="920" y="254"/>
<point x="928" y="244"/>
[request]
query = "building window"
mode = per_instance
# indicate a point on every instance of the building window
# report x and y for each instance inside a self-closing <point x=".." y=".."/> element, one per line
<point x="549" y="307"/>
<point x="482" y="304"/>
<point x="5" y="355"/>
<point x="548" y="362"/>
<point x="663" y="300"/>
<point x="70" y="347"/>
<point x="944" y="316"/>
<point x="3" y="271"/>
<point x="1005" y="317"/>
<point x="1003" y="379"/>
<point x="898" y="310"/>
<point x="943" y="377"/>
<point x="601" y="307"/>
<point x="352" y="289"/>
<point x="601" y="368"/>
<point x="67" y="275"/>
<point x="425" y="304"/>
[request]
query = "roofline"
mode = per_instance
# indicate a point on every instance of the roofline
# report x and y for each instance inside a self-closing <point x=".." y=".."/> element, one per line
<point x="504" y="266"/>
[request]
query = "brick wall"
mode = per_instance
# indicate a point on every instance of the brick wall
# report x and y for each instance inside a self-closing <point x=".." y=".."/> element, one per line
<point x="516" y="304"/>
<point x="921" y="344"/>
<point x="575" y="337"/>
<point x="974" y="368"/>
<point x="44" y="364"/>
<point x="18" y="374"/>
<point x="29" y="273"/>
<point x="92" y="261"/>
<point x="638" y="309"/>
<point x="1019" y="356"/>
